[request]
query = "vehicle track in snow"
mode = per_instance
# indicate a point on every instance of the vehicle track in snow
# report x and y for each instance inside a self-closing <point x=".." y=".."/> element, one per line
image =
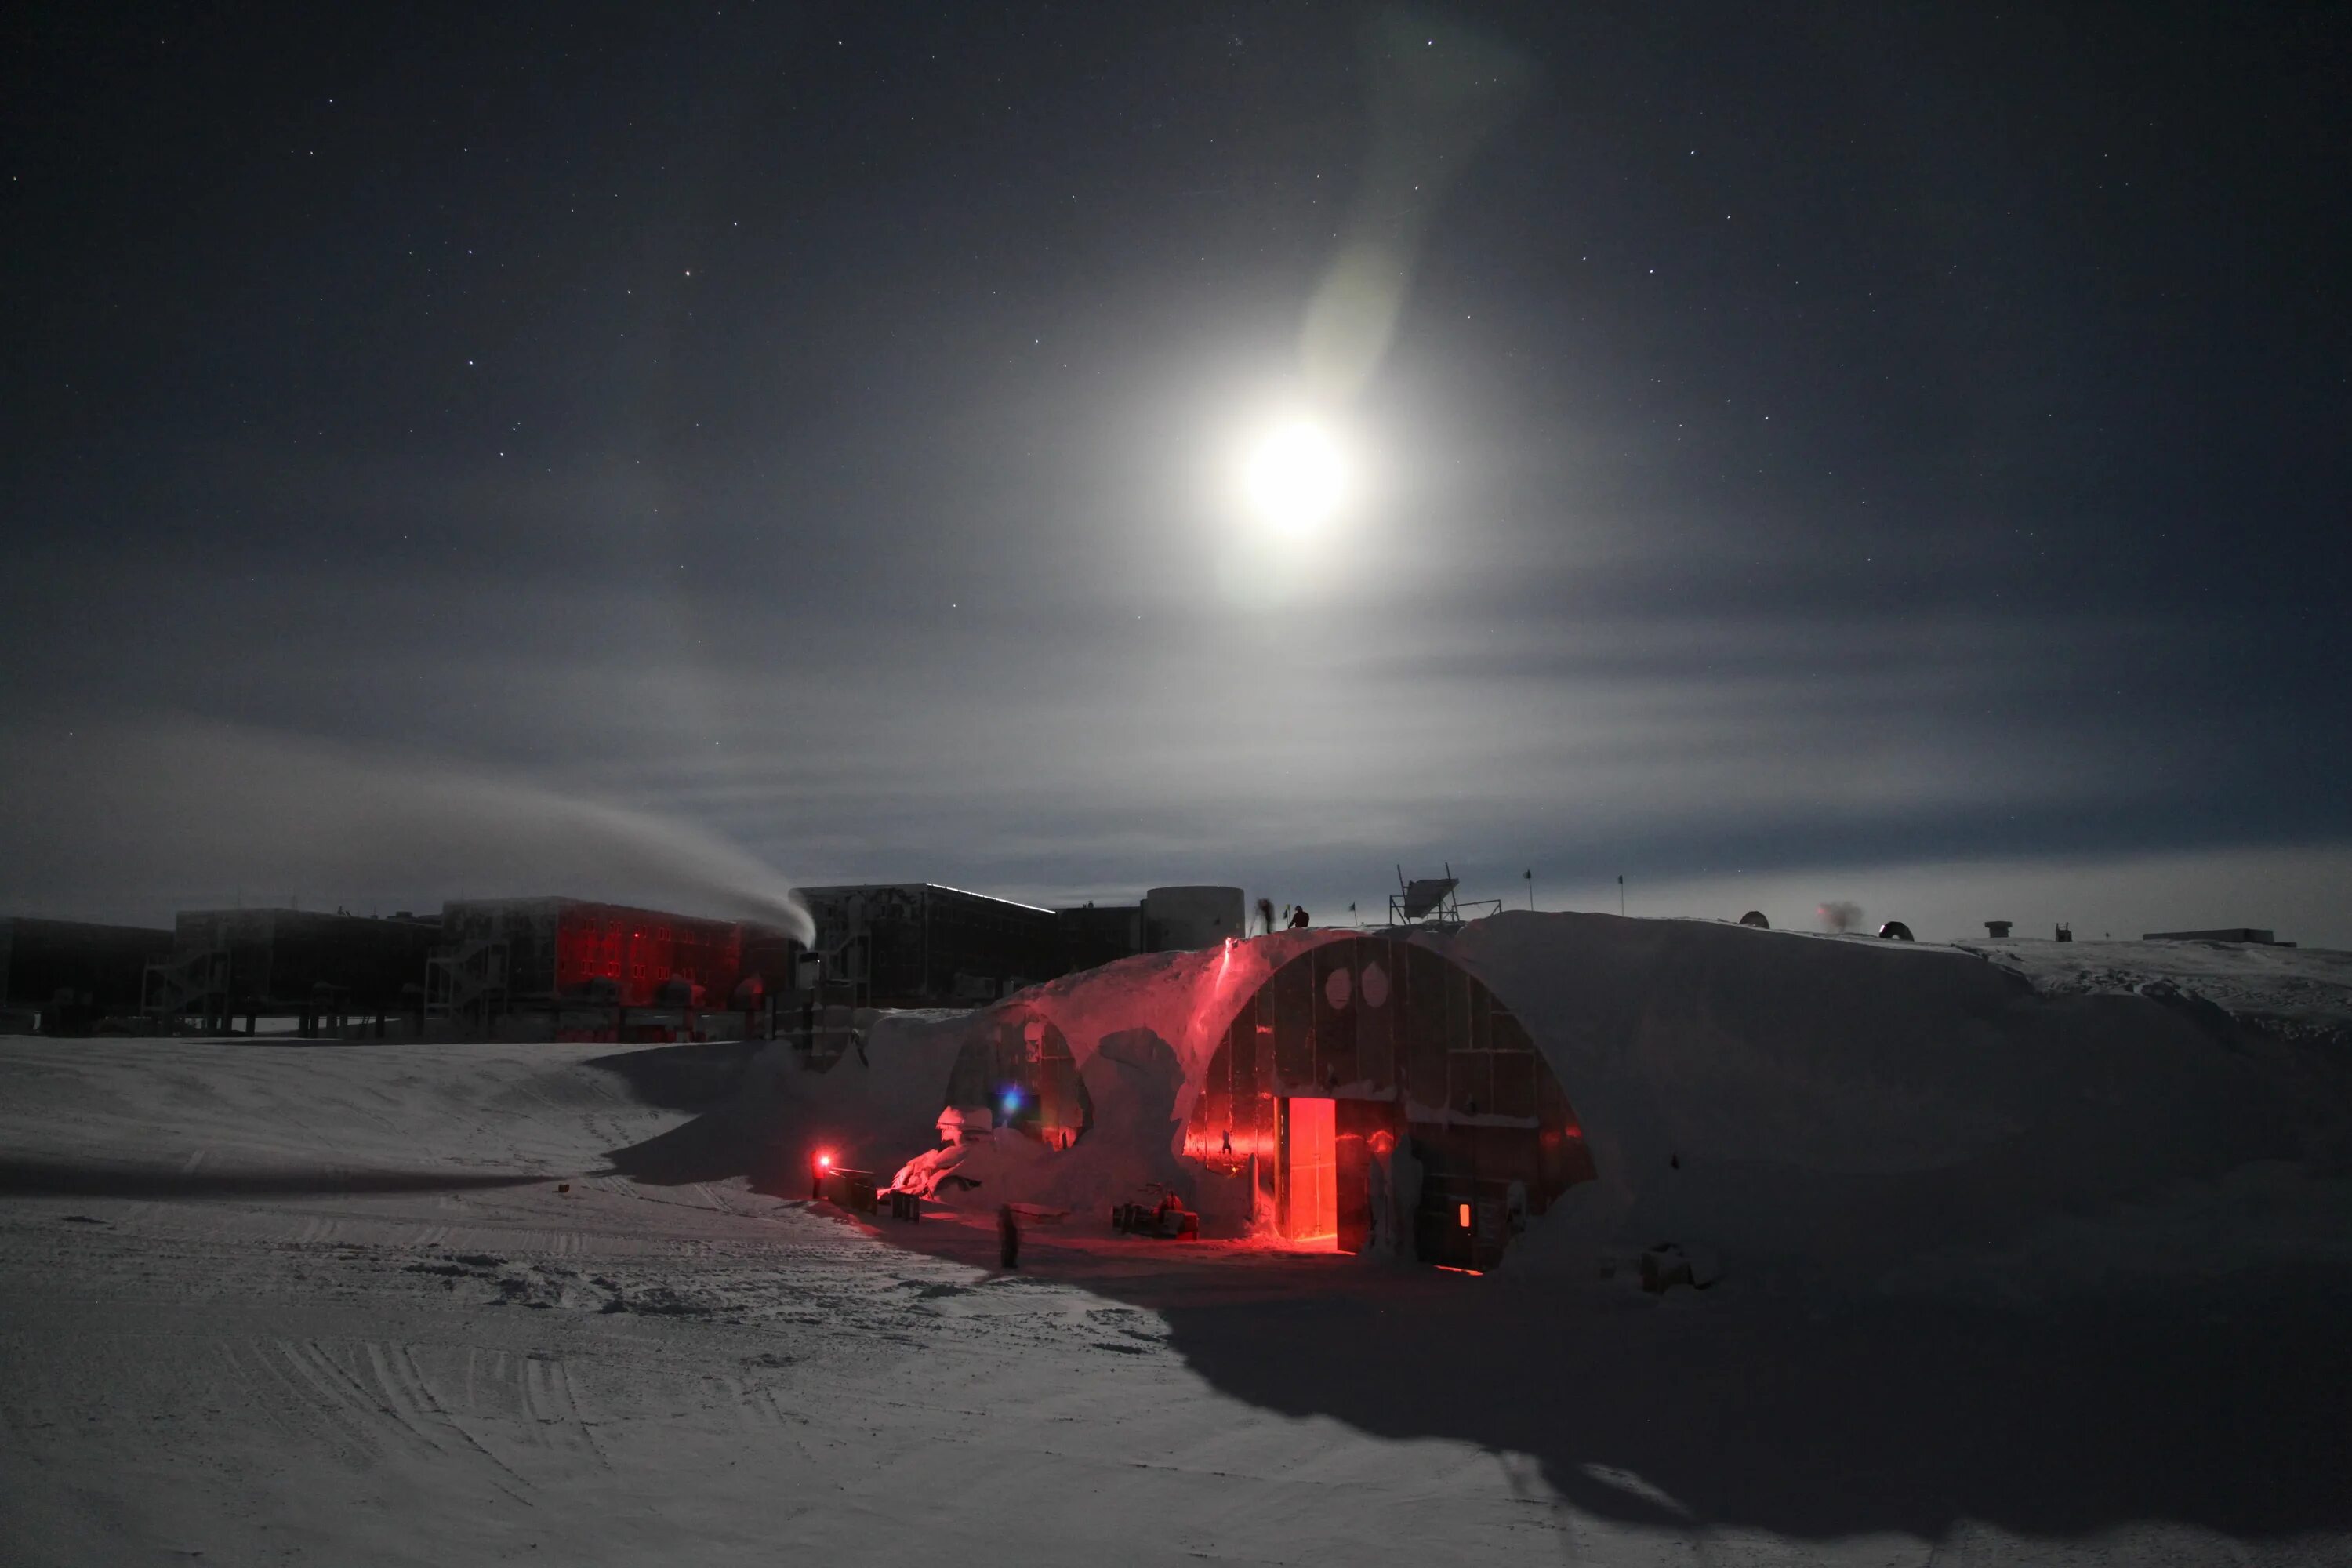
<point x="628" y="1374"/>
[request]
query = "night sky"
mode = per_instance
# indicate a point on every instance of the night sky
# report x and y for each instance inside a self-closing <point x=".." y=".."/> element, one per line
<point x="1895" y="453"/>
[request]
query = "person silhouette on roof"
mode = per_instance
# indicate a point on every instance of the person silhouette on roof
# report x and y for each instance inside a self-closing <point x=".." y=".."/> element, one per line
<point x="1298" y="918"/>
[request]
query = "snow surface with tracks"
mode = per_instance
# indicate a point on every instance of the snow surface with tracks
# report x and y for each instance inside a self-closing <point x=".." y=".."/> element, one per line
<point x="316" y="1303"/>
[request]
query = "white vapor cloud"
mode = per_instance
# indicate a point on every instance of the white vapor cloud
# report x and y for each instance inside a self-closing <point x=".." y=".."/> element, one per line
<point x="130" y="821"/>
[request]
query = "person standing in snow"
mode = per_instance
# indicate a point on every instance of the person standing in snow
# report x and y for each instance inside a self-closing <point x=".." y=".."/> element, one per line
<point x="1008" y="1237"/>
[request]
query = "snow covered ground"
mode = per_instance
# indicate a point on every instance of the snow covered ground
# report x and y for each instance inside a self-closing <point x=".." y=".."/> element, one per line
<point x="2295" y="991"/>
<point x="278" y="1303"/>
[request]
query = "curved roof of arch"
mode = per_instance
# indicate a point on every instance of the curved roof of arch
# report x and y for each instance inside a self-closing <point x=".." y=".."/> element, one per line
<point x="1794" y="1065"/>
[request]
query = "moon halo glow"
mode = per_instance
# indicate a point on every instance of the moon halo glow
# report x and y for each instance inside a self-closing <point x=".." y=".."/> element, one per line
<point x="1294" y="476"/>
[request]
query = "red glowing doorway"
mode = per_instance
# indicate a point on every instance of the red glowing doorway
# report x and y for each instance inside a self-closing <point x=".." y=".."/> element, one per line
<point x="1311" y="1171"/>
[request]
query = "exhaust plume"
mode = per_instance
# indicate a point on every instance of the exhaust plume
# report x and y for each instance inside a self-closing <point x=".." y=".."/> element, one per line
<point x="132" y="822"/>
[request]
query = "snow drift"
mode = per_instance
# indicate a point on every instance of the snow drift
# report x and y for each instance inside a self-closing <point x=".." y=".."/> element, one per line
<point x="1772" y="1096"/>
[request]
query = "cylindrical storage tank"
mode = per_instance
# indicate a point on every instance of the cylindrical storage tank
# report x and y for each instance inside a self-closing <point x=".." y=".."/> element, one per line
<point x="1178" y="918"/>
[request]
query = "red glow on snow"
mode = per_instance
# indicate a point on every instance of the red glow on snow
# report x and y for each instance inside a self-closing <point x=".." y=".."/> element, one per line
<point x="1453" y="1268"/>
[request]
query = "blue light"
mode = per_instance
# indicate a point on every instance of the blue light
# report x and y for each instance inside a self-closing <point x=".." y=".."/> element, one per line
<point x="1011" y="1101"/>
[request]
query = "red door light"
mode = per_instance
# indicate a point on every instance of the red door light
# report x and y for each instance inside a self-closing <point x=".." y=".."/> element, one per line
<point x="1314" y="1170"/>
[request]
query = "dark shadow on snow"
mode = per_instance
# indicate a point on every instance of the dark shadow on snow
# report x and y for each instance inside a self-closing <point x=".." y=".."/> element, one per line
<point x="727" y="1138"/>
<point x="683" y="1078"/>
<point x="2223" y="1402"/>
<point x="716" y="1146"/>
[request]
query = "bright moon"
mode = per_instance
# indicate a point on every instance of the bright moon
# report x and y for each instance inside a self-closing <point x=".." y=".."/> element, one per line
<point x="1295" y="475"/>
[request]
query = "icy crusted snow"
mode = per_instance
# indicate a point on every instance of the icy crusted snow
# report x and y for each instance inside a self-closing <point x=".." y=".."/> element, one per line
<point x="2293" y="990"/>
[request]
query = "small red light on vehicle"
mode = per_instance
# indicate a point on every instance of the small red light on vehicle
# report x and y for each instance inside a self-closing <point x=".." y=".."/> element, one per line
<point x="1466" y="1216"/>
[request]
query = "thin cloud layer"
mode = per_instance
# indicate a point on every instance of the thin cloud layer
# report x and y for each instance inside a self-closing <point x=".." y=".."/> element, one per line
<point x="826" y="462"/>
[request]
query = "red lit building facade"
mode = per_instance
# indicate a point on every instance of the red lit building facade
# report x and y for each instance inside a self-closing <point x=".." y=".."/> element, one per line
<point x="506" y="955"/>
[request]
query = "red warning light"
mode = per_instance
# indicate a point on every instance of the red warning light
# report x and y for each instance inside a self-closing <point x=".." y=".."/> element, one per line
<point x="1466" y="1216"/>
<point x="824" y="1160"/>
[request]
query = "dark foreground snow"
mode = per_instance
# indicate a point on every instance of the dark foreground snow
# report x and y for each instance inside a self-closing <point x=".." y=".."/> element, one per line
<point x="287" y="1303"/>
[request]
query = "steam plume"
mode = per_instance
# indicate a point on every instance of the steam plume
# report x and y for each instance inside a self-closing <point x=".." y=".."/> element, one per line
<point x="131" y="822"/>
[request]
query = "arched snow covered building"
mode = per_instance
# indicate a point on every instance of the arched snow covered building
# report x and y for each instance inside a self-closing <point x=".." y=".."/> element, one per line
<point x="1370" y="1087"/>
<point x="1822" y="1100"/>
